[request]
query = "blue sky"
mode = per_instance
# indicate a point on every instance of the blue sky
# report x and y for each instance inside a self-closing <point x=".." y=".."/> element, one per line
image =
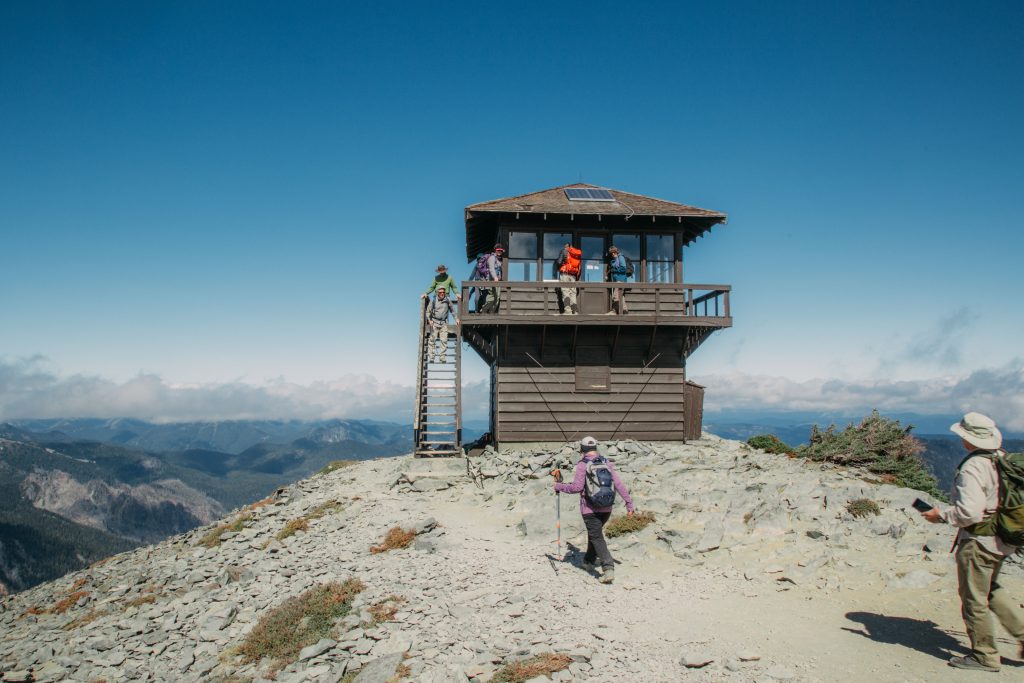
<point x="251" y="195"/>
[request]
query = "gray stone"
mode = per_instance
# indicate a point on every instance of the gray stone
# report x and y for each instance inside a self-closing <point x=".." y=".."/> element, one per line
<point x="379" y="670"/>
<point x="317" y="649"/>
<point x="425" y="485"/>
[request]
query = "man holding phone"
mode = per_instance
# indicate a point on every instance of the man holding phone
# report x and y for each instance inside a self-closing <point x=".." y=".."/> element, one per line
<point x="979" y="551"/>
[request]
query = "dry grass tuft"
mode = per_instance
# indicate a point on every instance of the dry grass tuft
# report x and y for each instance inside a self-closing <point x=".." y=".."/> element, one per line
<point x="147" y="599"/>
<point x="80" y="582"/>
<point x="86" y="619"/>
<point x="298" y="622"/>
<point x="623" y="524"/>
<point x="212" y="538"/>
<point x="386" y="609"/>
<point x="291" y="527"/>
<point x="396" y="538"/>
<point x="260" y="504"/>
<point x="335" y="465"/>
<point x="63" y="605"/>
<point x="324" y="509"/>
<point x="539" y="665"/>
<point x="401" y="673"/>
<point x="862" y="507"/>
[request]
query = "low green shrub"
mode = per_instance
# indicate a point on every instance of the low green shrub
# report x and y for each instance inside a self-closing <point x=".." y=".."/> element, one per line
<point x="862" y="507"/>
<point x="770" y="443"/>
<point x="336" y="465"/>
<point x="539" y="665"/>
<point x="327" y="508"/>
<point x="879" y="444"/>
<point x="212" y="537"/>
<point x="298" y="622"/>
<point x="624" y="524"/>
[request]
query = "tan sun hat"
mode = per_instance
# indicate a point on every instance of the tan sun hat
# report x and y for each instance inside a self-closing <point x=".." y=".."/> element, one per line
<point x="978" y="430"/>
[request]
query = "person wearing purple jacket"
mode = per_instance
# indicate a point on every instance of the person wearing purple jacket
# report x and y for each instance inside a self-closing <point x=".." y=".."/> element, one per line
<point x="594" y="518"/>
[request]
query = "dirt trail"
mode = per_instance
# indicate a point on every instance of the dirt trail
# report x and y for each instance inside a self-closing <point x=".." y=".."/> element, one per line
<point x="661" y="611"/>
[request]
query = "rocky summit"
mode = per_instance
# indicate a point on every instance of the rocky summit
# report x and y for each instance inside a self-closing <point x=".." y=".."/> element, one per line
<point x="757" y="567"/>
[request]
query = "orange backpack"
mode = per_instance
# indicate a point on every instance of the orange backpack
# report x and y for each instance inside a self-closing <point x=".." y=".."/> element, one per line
<point x="572" y="262"/>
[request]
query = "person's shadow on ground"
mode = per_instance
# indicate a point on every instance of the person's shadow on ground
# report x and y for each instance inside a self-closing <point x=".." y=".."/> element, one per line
<point x="919" y="634"/>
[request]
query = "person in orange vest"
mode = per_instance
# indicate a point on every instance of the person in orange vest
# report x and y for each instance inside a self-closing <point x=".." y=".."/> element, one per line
<point x="568" y="264"/>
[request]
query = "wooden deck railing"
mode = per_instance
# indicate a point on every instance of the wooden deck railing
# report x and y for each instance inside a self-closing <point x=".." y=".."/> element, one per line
<point x="662" y="300"/>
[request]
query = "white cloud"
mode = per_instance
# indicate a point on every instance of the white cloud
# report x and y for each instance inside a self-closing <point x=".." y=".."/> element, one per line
<point x="29" y="389"/>
<point x="998" y="392"/>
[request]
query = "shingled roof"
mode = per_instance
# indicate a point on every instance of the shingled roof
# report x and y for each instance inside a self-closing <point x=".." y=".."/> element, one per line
<point x="482" y="219"/>
<point x="555" y="201"/>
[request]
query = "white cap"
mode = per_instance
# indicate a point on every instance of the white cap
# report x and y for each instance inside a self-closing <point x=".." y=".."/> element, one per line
<point x="588" y="443"/>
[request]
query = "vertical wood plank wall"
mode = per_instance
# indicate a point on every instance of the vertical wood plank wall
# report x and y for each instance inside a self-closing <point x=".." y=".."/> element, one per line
<point x="536" y="397"/>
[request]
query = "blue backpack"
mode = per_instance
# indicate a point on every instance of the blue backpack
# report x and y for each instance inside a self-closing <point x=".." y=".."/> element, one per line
<point x="599" y="487"/>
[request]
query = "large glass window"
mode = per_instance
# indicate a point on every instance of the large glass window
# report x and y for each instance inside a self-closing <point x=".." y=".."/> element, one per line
<point x="553" y="243"/>
<point x="660" y="265"/>
<point x="592" y="247"/>
<point x="522" y="256"/>
<point x="629" y="246"/>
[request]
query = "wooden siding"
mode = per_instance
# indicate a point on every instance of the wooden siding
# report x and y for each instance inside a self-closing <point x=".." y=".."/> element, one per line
<point x="694" y="406"/>
<point x="535" y="404"/>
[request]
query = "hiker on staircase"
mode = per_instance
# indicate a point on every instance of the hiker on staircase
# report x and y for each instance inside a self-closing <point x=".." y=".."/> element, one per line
<point x="439" y="310"/>
<point x="596" y="480"/>
<point x="568" y="264"/>
<point x="986" y="537"/>
<point x="442" y="279"/>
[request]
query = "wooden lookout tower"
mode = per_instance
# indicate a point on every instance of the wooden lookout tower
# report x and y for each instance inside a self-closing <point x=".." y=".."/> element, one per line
<point x="558" y="377"/>
<point x="611" y="375"/>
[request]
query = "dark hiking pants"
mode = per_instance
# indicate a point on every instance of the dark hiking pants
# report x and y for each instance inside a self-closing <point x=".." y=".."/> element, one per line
<point x="597" y="548"/>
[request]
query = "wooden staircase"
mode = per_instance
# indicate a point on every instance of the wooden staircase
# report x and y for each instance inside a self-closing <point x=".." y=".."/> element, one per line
<point x="437" y="422"/>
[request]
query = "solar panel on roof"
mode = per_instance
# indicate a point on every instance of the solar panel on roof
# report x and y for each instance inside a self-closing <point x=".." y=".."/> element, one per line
<point x="586" y="194"/>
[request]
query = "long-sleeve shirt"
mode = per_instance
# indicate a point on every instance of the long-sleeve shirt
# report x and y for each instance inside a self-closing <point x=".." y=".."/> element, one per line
<point x="579" y="479"/>
<point x="494" y="265"/>
<point x="439" y="310"/>
<point x="447" y="281"/>
<point x="975" y="498"/>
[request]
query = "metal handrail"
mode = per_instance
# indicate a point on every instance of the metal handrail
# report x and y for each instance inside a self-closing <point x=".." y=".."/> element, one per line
<point x="419" y="373"/>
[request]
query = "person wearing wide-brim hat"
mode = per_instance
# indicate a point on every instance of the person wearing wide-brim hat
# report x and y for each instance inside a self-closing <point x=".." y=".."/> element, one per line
<point x="442" y="279"/>
<point x="979" y="551"/>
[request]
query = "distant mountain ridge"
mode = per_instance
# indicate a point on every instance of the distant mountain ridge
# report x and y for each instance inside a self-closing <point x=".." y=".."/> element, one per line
<point x="76" y="491"/>
<point x="229" y="436"/>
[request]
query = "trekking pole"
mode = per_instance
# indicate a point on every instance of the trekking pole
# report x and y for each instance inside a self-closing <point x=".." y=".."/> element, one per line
<point x="558" y="514"/>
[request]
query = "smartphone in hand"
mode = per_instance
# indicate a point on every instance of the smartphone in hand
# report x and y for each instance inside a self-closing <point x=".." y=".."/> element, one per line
<point x="920" y="505"/>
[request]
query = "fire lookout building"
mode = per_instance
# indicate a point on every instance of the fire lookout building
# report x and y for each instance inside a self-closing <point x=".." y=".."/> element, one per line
<point x="603" y="372"/>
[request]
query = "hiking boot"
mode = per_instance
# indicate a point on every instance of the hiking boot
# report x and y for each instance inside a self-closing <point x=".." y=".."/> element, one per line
<point x="588" y="567"/>
<point x="608" y="575"/>
<point x="971" y="664"/>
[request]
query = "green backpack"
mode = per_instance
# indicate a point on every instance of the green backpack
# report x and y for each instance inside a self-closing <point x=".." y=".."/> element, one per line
<point x="1008" y="521"/>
